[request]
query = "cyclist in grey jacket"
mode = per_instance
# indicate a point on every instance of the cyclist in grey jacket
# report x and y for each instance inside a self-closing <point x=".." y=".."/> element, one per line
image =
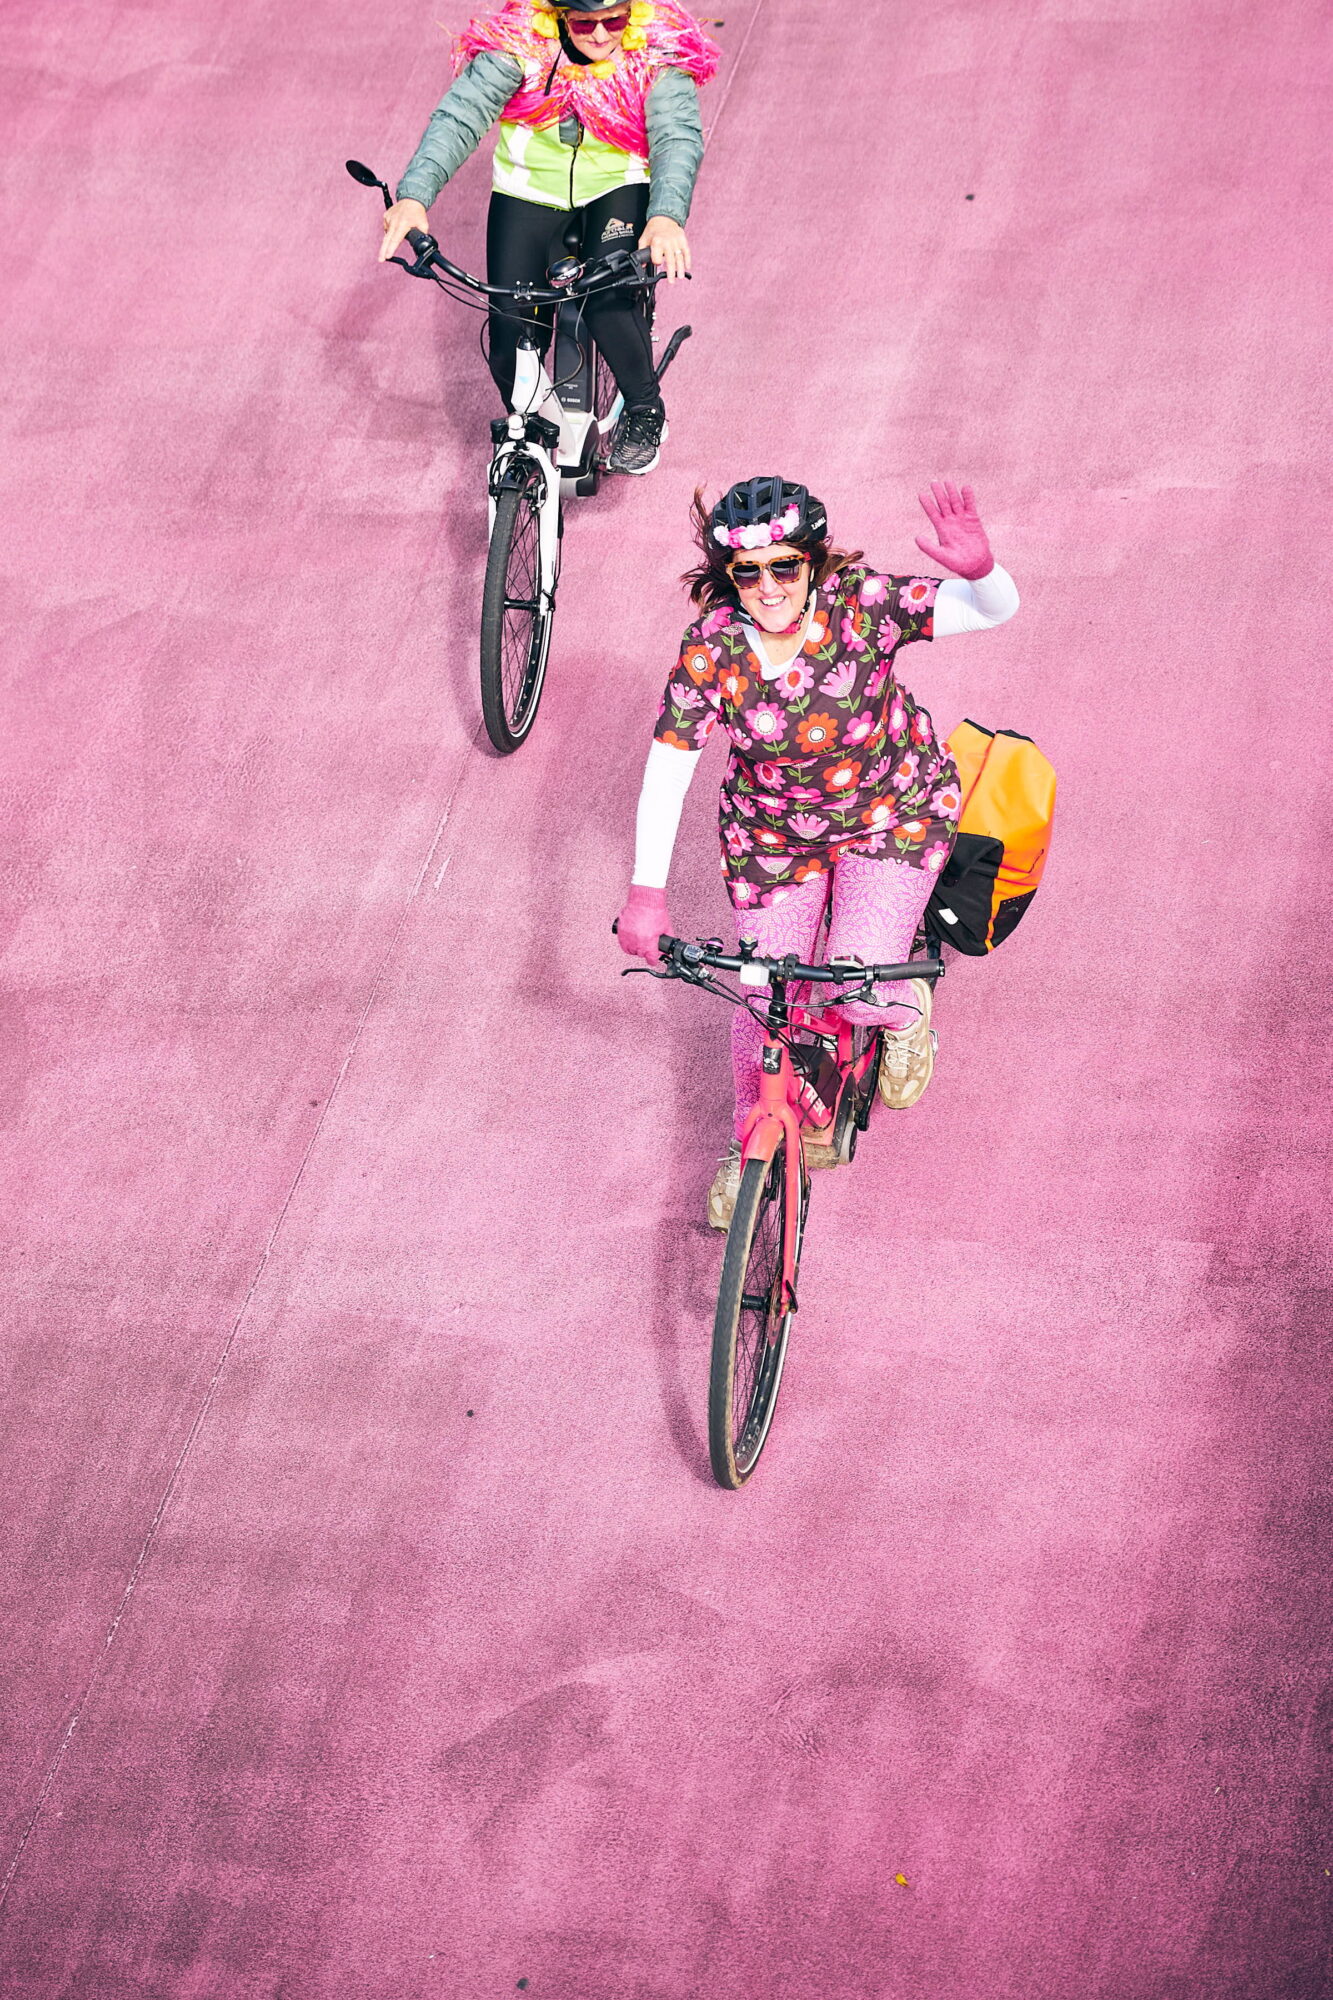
<point x="599" y="127"/>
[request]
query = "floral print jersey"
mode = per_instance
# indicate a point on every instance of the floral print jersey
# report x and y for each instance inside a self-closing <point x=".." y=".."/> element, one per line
<point x="833" y="756"/>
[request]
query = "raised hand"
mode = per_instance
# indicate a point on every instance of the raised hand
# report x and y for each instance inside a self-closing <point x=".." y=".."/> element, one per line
<point x="960" y="543"/>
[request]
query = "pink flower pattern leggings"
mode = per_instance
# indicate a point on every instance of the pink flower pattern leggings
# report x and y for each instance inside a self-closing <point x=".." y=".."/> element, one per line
<point x="877" y="906"/>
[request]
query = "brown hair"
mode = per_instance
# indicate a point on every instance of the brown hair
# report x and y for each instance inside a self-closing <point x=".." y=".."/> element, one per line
<point x="709" y="581"/>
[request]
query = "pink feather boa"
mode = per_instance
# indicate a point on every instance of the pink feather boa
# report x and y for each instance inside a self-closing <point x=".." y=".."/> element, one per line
<point x="611" y="107"/>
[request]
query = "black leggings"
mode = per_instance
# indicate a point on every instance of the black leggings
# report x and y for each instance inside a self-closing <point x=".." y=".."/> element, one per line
<point x="524" y="239"/>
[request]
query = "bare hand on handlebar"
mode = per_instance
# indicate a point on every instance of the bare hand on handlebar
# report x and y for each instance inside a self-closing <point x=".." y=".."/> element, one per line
<point x="404" y="215"/>
<point x="665" y="242"/>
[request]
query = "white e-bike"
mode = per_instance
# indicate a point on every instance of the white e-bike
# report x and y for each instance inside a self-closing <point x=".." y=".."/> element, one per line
<point x="557" y="437"/>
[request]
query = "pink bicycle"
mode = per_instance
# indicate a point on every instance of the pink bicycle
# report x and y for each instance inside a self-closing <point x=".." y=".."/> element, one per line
<point x="816" y="1091"/>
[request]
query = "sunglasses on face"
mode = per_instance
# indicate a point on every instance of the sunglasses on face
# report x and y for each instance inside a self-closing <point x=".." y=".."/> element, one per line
<point x="786" y="569"/>
<point x="587" y="24"/>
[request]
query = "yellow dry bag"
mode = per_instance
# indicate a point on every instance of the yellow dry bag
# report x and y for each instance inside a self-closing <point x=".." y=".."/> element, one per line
<point x="1004" y="832"/>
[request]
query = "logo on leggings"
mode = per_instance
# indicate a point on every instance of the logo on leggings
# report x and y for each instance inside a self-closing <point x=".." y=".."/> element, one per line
<point x="615" y="227"/>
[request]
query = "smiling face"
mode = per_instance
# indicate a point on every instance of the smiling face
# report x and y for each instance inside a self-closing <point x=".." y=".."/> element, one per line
<point x="598" y="35"/>
<point x="776" y="597"/>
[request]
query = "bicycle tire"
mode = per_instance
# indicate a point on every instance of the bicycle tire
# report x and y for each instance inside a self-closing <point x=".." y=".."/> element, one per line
<point x="605" y="399"/>
<point x="857" y="1100"/>
<point x="870" y="1084"/>
<point x="515" y="627"/>
<point x="750" y="1339"/>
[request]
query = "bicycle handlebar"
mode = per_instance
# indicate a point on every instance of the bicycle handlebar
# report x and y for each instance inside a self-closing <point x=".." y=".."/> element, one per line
<point x="599" y="274"/>
<point x="619" y="268"/>
<point x="682" y="958"/>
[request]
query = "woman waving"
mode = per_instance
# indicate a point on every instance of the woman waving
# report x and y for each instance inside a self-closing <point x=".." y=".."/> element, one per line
<point x="836" y="784"/>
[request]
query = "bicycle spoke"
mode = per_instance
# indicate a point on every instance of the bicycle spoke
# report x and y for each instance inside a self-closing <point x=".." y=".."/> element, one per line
<point x="516" y="612"/>
<point x="753" y="1331"/>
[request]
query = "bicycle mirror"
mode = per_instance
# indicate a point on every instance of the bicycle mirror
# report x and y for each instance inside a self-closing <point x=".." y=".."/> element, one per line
<point x="367" y="179"/>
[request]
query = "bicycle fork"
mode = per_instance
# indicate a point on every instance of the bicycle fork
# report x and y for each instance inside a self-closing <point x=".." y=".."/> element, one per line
<point x="535" y="430"/>
<point x="519" y="439"/>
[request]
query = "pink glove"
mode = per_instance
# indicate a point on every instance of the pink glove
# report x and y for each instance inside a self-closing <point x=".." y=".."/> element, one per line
<point x="962" y="545"/>
<point x="642" y="922"/>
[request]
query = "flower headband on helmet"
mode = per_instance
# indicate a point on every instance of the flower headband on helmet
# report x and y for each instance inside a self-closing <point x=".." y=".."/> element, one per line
<point x="758" y="534"/>
<point x="756" y="512"/>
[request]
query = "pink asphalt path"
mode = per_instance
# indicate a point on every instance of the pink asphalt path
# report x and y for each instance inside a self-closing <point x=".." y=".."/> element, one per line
<point x="372" y="1626"/>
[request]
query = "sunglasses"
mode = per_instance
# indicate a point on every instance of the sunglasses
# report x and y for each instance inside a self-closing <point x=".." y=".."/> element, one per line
<point x="585" y="24"/>
<point x="786" y="569"/>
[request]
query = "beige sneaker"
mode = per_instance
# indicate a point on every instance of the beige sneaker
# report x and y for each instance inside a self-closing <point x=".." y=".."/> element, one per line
<point x="909" y="1054"/>
<point x="726" y="1186"/>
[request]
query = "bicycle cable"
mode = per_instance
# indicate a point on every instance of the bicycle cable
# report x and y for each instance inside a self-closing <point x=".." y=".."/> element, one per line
<point x="525" y="322"/>
<point x="582" y="339"/>
<point x="707" y="985"/>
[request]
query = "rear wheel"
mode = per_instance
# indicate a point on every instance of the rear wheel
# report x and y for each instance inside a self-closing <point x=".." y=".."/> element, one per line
<point x="857" y="1099"/>
<point x="865" y="1095"/>
<point x="753" y="1321"/>
<point x="607" y="401"/>
<point x="515" y="621"/>
<point x="606" y="406"/>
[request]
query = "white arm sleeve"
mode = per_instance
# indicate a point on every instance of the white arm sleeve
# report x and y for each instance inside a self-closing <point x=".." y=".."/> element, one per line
<point x="961" y="606"/>
<point x="666" y="779"/>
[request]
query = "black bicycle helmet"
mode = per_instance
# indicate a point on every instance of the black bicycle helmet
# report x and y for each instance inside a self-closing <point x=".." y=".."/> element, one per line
<point x="757" y="512"/>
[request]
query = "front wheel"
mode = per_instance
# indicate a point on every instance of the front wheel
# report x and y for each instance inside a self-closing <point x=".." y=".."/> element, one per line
<point x="516" y="613"/>
<point x="753" y="1321"/>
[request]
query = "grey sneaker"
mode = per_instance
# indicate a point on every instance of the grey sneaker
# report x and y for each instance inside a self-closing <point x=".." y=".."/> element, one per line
<point x="909" y="1054"/>
<point x="636" y="444"/>
<point x="726" y="1186"/>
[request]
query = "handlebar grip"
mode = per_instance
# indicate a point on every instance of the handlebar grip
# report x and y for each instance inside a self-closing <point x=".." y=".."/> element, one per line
<point x="917" y="968"/>
<point x="424" y="245"/>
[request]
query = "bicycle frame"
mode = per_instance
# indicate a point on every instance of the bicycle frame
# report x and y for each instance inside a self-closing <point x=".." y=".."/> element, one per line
<point x="777" y="1113"/>
<point x="757" y="1296"/>
<point x="535" y="395"/>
